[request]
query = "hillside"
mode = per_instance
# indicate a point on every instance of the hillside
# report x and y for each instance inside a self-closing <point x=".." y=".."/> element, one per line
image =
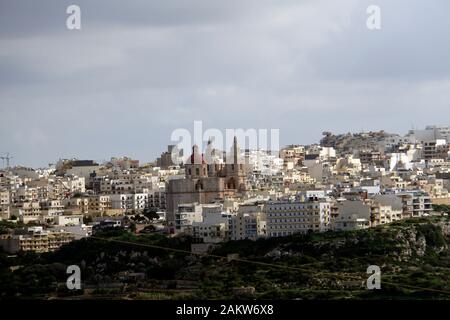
<point x="411" y="254"/>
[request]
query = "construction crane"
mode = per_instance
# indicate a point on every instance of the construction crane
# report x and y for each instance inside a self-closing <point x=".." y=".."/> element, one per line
<point x="7" y="157"/>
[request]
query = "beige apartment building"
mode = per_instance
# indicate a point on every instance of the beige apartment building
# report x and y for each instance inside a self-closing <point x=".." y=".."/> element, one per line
<point x="248" y="223"/>
<point x="77" y="204"/>
<point x="289" y="217"/>
<point x="36" y="239"/>
<point x="27" y="211"/>
<point x="385" y="209"/>
<point x="5" y="197"/>
<point x="99" y="203"/>
<point x="5" y="200"/>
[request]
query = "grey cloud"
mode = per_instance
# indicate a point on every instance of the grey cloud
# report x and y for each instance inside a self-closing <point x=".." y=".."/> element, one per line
<point x="411" y="46"/>
<point x="140" y="69"/>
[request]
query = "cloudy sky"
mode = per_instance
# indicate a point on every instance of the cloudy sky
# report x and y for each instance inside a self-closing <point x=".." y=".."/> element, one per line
<point x="139" y="69"/>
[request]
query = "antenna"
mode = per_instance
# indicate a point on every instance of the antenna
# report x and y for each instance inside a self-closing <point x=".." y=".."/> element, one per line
<point x="7" y="157"/>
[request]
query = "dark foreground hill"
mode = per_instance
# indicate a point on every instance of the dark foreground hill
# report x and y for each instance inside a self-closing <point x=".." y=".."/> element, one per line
<point x="413" y="256"/>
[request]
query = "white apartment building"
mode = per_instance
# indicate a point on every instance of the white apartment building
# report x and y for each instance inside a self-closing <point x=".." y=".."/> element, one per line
<point x="129" y="202"/>
<point x="128" y="183"/>
<point x="264" y="162"/>
<point x="326" y="153"/>
<point x="430" y="139"/>
<point x="186" y="215"/>
<point x="74" y="184"/>
<point x="140" y="201"/>
<point x="416" y="203"/>
<point x="78" y="231"/>
<point x="69" y="220"/>
<point x="83" y="170"/>
<point x="214" y="225"/>
<point x="52" y="208"/>
<point x="443" y="130"/>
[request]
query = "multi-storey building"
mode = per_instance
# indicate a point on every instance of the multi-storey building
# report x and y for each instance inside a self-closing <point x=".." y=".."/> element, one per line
<point x="214" y="225"/>
<point x="157" y="199"/>
<point x="51" y="208"/>
<point x="248" y="223"/>
<point x="36" y="239"/>
<point x="5" y="197"/>
<point x="77" y="204"/>
<point x="100" y="203"/>
<point x="128" y="202"/>
<point x="5" y="201"/>
<point x="385" y="209"/>
<point x="186" y="215"/>
<point x="416" y="203"/>
<point x="289" y="217"/>
<point x="27" y="211"/>
<point x="4" y="212"/>
<point x="350" y="215"/>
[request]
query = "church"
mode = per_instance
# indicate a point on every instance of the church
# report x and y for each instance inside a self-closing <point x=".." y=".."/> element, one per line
<point x="206" y="181"/>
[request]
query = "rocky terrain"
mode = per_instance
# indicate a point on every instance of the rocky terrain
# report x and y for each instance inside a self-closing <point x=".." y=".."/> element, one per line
<point x="413" y="256"/>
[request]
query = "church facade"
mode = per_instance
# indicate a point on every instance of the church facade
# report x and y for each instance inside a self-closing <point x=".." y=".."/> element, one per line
<point x="206" y="181"/>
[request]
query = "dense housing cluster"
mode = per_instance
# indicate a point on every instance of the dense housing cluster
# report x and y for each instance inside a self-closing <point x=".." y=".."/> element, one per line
<point x="346" y="182"/>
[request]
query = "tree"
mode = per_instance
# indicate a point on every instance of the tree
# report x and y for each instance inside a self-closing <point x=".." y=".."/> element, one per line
<point x="87" y="219"/>
<point x="150" y="214"/>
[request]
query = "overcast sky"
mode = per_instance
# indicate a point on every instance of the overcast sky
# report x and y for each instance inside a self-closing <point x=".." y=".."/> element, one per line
<point x="139" y="69"/>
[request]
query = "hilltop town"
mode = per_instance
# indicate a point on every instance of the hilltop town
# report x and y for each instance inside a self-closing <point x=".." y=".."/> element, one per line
<point x="344" y="182"/>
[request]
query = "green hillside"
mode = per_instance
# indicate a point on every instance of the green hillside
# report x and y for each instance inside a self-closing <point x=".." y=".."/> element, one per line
<point x="413" y="255"/>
